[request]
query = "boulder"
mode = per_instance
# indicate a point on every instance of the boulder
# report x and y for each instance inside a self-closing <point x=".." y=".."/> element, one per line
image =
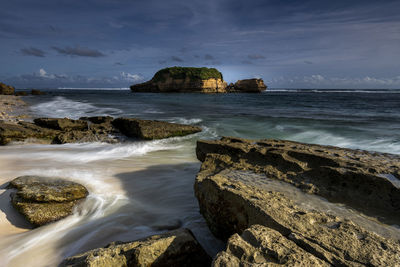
<point x="174" y="248"/>
<point x="25" y="130"/>
<point x="290" y="235"/>
<point x="260" y="245"/>
<point x="37" y="92"/>
<point x="248" y="86"/>
<point x="266" y="225"/>
<point x="6" y="89"/>
<point x="61" y="124"/>
<point x="368" y="182"/>
<point x="184" y="79"/>
<point x="21" y="93"/>
<point x="149" y="129"/>
<point x="44" y="200"/>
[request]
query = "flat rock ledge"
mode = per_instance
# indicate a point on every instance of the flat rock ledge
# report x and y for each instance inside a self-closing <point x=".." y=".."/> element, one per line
<point x="43" y="200"/>
<point x="90" y="129"/>
<point x="265" y="227"/>
<point x="174" y="248"/>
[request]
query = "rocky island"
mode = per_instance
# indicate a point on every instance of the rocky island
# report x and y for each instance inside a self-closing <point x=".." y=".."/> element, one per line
<point x="195" y="80"/>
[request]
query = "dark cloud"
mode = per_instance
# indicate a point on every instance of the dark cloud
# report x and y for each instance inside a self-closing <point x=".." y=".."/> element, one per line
<point x="31" y="51"/>
<point x="176" y="59"/>
<point x="118" y="64"/>
<point x="256" y="56"/>
<point x="247" y="62"/>
<point x="208" y="57"/>
<point x="78" y="51"/>
<point x="308" y="62"/>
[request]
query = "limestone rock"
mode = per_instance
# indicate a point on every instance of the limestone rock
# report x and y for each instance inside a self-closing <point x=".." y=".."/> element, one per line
<point x="24" y="130"/>
<point x="43" y="200"/>
<point x="248" y="86"/>
<point x="6" y="89"/>
<point x="21" y="93"/>
<point x="174" y="248"/>
<point x="37" y="92"/>
<point x="264" y="246"/>
<point x="298" y="236"/>
<point x="184" y="79"/>
<point x="61" y="124"/>
<point x="368" y="182"/>
<point x="90" y="129"/>
<point x="148" y="129"/>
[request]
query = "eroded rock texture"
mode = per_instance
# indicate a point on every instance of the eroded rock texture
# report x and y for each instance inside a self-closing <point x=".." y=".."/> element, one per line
<point x="265" y="227"/>
<point x="43" y="199"/>
<point x="174" y="248"/>
<point x="90" y="129"/>
<point x="366" y="181"/>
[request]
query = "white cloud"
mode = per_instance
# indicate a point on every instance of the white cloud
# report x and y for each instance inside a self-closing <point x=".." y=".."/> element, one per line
<point x="131" y="77"/>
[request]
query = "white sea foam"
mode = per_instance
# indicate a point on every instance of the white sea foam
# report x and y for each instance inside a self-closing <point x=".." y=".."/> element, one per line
<point x="82" y="153"/>
<point x="63" y="107"/>
<point x="186" y="121"/>
<point x="326" y="138"/>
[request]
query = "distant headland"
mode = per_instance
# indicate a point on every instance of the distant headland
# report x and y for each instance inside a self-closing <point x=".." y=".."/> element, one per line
<point x="196" y="80"/>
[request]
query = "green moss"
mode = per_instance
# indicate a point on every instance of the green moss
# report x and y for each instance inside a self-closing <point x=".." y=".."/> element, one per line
<point x="183" y="72"/>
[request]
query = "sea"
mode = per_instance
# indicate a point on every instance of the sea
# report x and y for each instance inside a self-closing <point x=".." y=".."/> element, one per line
<point x="140" y="188"/>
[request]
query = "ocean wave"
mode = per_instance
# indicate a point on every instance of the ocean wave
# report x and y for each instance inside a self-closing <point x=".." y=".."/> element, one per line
<point x="186" y="121"/>
<point x="63" y="107"/>
<point x="384" y="145"/>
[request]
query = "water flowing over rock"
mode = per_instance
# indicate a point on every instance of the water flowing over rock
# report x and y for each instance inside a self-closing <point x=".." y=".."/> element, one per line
<point x="265" y="226"/>
<point x="44" y="200"/>
<point x="90" y="129"/>
<point x="6" y="89"/>
<point x="149" y="130"/>
<point x="174" y="248"/>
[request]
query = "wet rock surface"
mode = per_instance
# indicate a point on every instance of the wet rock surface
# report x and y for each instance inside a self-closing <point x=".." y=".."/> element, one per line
<point x="368" y="182"/>
<point x="89" y="129"/>
<point x="44" y="200"/>
<point x="147" y="129"/>
<point x="264" y="226"/>
<point x="174" y="248"/>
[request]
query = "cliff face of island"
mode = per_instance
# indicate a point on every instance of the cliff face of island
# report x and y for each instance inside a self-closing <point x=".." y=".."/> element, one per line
<point x="195" y="80"/>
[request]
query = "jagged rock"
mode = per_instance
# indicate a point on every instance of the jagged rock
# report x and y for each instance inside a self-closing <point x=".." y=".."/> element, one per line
<point x="368" y="182"/>
<point x="90" y="129"/>
<point x="24" y="130"/>
<point x="248" y="86"/>
<point x="147" y="129"/>
<point x="98" y="119"/>
<point x="300" y="236"/>
<point x="260" y="245"/>
<point x="174" y="248"/>
<point x="37" y="92"/>
<point x="61" y="124"/>
<point x="43" y="199"/>
<point x="6" y="89"/>
<point x="184" y="79"/>
<point x="21" y="93"/>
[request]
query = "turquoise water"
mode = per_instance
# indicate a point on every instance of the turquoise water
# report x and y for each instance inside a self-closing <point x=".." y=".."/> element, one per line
<point x="142" y="188"/>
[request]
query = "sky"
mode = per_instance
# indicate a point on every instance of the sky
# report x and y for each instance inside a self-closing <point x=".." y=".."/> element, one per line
<point x="116" y="43"/>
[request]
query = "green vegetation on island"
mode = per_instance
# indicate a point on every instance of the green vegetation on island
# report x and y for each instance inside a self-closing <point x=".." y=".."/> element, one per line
<point x="183" y="72"/>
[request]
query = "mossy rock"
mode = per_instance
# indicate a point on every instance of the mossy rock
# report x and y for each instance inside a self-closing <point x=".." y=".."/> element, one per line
<point x="187" y="72"/>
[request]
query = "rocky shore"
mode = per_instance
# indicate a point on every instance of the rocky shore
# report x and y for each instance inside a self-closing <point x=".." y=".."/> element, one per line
<point x="264" y="226"/>
<point x="90" y="129"/>
<point x="196" y="80"/>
